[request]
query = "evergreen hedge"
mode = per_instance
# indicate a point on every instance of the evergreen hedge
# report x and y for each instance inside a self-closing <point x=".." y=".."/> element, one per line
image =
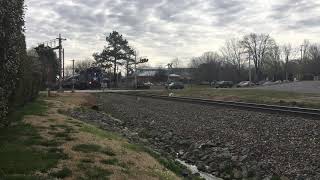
<point x="19" y="76"/>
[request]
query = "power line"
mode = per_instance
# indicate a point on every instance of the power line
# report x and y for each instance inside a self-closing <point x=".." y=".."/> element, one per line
<point x="52" y="45"/>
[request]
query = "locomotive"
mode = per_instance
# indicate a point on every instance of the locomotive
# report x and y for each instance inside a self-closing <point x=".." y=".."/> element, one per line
<point x="90" y="78"/>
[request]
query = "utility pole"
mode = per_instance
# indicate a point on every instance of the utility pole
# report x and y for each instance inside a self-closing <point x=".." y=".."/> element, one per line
<point x="60" y="39"/>
<point x="135" y="70"/>
<point x="63" y="64"/>
<point x="73" y="80"/>
<point x="301" y="49"/>
<point x="169" y="67"/>
<point x="249" y="68"/>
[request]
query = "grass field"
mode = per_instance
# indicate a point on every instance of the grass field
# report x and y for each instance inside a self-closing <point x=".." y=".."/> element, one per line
<point x="43" y="144"/>
<point x="251" y="95"/>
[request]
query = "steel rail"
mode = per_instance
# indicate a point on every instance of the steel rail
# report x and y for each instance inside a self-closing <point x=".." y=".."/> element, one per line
<point x="248" y="106"/>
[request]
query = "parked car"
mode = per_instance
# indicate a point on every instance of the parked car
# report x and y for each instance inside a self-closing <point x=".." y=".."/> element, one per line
<point x="224" y="84"/>
<point x="175" y="85"/>
<point x="245" y="84"/>
<point x="166" y="84"/>
<point x="149" y="83"/>
<point x="143" y="86"/>
<point x="213" y="83"/>
<point x="267" y="83"/>
<point x="204" y="83"/>
<point x="278" y="82"/>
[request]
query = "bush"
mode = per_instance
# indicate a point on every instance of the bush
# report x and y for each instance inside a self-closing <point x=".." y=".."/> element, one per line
<point x="20" y="74"/>
<point x="12" y="49"/>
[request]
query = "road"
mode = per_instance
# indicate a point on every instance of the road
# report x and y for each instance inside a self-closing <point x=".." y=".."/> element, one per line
<point x="299" y="87"/>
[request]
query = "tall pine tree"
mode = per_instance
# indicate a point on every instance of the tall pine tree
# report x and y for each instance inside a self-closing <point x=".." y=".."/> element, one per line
<point x="115" y="54"/>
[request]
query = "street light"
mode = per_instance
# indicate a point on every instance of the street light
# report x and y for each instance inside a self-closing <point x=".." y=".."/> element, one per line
<point x="141" y="60"/>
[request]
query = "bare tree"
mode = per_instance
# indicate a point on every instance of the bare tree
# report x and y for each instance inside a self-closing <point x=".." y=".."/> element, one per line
<point x="273" y="64"/>
<point x="258" y="46"/>
<point x="232" y="52"/>
<point x="304" y="49"/>
<point x="83" y="64"/>
<point x="207" y="67"/>
<point x="287" y="50"/>
<point x="176" y="63"/>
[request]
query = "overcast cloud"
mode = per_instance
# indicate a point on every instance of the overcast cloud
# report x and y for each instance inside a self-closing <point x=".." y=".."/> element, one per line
<point x="164" y="29"/>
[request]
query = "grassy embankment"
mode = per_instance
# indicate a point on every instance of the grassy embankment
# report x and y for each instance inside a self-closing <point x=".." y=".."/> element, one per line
<point x="251" y="95"/>
<point x="43" y="144"/>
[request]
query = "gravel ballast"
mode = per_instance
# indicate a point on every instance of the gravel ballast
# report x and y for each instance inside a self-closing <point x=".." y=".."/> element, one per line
<point x="227" y="142"/>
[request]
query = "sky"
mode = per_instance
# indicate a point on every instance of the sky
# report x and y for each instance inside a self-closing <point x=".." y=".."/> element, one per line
<point x="166" y="29"/>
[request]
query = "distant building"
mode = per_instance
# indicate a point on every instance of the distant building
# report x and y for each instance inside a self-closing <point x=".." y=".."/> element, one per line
<point x="175" y="74"/>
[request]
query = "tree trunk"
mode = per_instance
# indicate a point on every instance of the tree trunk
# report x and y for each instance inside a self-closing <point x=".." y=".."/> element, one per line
<point x="115" y="73"/>
<point x="127" y="74"/>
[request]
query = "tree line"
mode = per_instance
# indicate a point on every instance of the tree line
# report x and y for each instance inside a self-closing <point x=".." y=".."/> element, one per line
<point x="22" y="74"/>
<point x="268" y="60"/>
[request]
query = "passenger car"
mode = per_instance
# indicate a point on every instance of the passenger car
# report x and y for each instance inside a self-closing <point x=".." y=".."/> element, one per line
<point x="175" y="85"/>
<point x="245" y="84"/>
<point x="224" y="84"/>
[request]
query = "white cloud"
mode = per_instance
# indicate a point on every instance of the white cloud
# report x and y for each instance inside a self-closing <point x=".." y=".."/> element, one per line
<point x="164" y="29"/>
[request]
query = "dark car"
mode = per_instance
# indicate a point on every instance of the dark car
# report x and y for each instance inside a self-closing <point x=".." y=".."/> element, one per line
<point x="224" y="84"/>
<point x="204" y="83"/>
<point x="213" y="83"/>
<point x="143" y="86"/>
<point x="176" y="85"/>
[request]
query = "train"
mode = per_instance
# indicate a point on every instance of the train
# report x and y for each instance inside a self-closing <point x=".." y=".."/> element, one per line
<point x="90" y="78"/>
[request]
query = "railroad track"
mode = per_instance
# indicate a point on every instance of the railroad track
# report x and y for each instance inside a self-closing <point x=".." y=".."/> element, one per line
<point x="314" y="113"/>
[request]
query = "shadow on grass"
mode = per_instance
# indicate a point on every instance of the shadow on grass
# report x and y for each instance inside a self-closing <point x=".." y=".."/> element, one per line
<point x="93" y="172"/>
<point x="19" y="156"/>
<point x="91" y="148"/>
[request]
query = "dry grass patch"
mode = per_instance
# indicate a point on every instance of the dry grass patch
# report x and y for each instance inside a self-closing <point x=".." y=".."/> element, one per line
<point x="91" y="152"/>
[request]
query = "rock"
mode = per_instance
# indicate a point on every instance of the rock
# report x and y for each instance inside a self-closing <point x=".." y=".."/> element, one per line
<point x="242" y="158"/>
<point x="269" y="177"/>
<point x="192" y="147"/>
<point x="201" y="166"/>
<point x="196" y="152"/>
<point x="196" y="174"/>
<point x="185" y="156"/>
<point x="234" y="158"/>
<point x="244" y="171"/>
<point x="152" y="123"/>
<point x="227" y="176"/>
<point x="205" y="157"/>
<point x="284" y="178"/>
<point x="207" y="145"/>
<point x="211" y="170"/>
<point x="225" y="154"/>
<point x="185" y="173"/>
<point x="236" y="173"/>
<point x="184" y="142"/>
<point x="245" y="151"/>
<point x="224" y="165"/>
<point x="168" y="135"/>
<point x="144" y="141"/>
<point x="213" y="165"/>
<point x="95" y="107"/>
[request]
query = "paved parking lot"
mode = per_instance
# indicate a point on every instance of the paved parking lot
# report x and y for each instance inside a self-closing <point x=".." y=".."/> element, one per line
<point x="300" y="87"/>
